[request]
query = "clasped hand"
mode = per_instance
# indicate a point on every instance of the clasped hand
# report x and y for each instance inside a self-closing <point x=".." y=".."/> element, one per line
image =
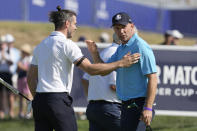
<point x="129" y="59"/>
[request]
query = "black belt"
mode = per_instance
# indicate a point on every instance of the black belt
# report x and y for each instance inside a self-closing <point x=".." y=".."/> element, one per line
<point x="102" y="102"/>
<point x="134" y="100"/>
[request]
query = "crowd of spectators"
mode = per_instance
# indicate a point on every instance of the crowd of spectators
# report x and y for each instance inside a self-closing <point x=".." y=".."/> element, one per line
<point x="13" y="68"/>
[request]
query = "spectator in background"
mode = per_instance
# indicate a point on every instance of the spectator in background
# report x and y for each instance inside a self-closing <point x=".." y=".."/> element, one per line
<point x="15" y="56"/>
<point x="14" y="52"/>
<point x="23" y="66"/>
<point x="103" y="110"/>
<point x="177" y="36"/>
<point x="6" y="62"/>
<point x="3" y="56"/>
<point x="81" y="39"/>
<point x="171" y="37"/>
<point x="104" y="37"/>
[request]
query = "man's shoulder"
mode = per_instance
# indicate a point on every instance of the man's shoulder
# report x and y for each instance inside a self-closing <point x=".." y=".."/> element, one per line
<point x="141" y="43"/>
<point x="63" y="41"/>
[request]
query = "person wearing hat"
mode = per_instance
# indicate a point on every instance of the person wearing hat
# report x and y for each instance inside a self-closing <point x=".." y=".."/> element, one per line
<point x="135" y="85"/>
<point x="171" y="37"/>
<point x="23" y="66"/>
<point x="14" y="52"/>
<point x="177" y="36"/>
<point x="6" y="62"/>
<point x="104" y="37"/>
<point x="15" y="56"/>
<point x="51" y="73"/>
<point x="5" y="74"/>
<point x="81" y="39"/>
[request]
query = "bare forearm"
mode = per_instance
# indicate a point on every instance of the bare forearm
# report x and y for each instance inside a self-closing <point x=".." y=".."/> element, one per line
<point x="85" y="84"/>
<point x="101" y="68"/>
<point x="32" y="79"/>
<point x="23" y="67"/>
<point x="96" y="57"/>
<point x="106" y="68"/>
<point x="32" y="83"/>
<point x="151" y="90"/>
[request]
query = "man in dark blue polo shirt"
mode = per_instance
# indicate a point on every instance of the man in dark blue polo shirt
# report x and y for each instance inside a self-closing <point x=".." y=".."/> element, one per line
<point x="137" y="84"/>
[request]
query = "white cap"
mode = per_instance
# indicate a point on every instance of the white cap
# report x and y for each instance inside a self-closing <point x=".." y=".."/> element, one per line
<point x="9" y="38"/>
<point x="105" y="36"/>
<point x="175" y="33"/>
<point x="2" y="39"/>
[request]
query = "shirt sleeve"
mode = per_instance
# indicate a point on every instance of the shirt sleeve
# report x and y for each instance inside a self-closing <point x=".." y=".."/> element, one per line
<point x="86" y="76"/>
<point x="147" y="61"/>
<point x="34" y="60"/>
<point x="72" y="51"/>
<point x="112" y="78"/>
<point x="113" y="58"/>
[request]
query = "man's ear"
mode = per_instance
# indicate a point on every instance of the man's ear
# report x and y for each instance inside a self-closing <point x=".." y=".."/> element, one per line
<point x="67" y="24"/>
<point x="132" y="25"/>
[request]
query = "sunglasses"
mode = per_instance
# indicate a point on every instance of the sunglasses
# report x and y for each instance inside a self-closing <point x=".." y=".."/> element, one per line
<point x="148" y="128"/>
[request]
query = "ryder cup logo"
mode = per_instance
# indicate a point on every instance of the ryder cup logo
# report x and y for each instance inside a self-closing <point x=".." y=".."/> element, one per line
<point x="118" y="17"/>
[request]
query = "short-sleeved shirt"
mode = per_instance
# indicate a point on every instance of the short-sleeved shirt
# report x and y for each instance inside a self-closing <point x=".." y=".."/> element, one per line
<point x="54" y="57"/>
<point x="4" y="66"/>
<point x="99" y="86"/>
<point x="15" y="56"/>
<point x="132" y="81"/>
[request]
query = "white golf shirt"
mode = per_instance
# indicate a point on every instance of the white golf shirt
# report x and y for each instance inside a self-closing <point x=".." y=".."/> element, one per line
<point x="54" y="57"/>
<point x="4" y="66"/>
<point x="99" y="86"/>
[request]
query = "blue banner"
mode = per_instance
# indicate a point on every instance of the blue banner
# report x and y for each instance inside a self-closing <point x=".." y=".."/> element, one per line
<point x="177" y="86"/>
<point x="98" y="13"/>
<point x="11" y="10"/>
<point x="143" y="16"/>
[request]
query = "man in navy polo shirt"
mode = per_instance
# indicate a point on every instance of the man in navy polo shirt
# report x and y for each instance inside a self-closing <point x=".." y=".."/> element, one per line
<point x="137" y="84"/>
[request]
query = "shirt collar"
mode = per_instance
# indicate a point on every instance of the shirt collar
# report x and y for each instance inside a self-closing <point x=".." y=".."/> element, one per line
<point x="57" y="33"/>
<point x="130" y="42"/>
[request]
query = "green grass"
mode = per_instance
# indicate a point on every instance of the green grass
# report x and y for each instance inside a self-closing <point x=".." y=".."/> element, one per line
<point x="28" y="125"/>
<point x="172" y="123"/>
<point x="34" y="33"/>
<point x="160" y="123"/>
<point x="16" y="125"/>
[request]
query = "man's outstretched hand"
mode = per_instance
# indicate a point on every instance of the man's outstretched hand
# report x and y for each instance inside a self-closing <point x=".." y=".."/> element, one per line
<point x="129" y="59"/>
